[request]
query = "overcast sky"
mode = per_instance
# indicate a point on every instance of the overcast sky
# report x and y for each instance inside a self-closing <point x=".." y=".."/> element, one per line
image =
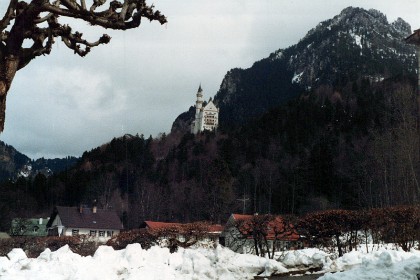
<point x="62" y="104"/>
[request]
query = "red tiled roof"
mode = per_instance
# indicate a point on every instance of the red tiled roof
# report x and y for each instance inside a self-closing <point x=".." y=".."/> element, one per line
<point x="160" y="225"/>
<point x="274" y="226"/>
<point x="216" y="228"/>
<point x="240" y="217"/>
<point x="71" y="217"/>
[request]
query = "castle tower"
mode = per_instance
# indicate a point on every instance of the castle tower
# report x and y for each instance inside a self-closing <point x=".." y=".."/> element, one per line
<point x="196" y="124"/>
<point x="199" y="102"/>
<point x="206" y="118"/>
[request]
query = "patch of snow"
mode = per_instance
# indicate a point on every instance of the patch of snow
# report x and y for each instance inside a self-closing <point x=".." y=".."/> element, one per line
<point x="278" y="55"/>
<point x="297" y="78"/>
<point x="357" y="39"/>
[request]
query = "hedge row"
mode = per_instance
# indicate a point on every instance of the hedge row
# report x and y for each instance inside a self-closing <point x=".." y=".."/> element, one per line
<point x="347" y="229"/>
<point x="33" y="246"/>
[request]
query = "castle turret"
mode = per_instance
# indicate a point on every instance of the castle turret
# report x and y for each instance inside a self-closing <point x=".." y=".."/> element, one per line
<point x="206" y="118"/>
<point x="199" y="102"/>
<point x="196" y="124"/>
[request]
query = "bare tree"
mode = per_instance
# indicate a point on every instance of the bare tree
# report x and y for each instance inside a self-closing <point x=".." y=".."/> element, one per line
<point x="20" y="227"/>
<point x="394" y="156"/>
<point x="37" y="21"/>
<point x="267" y="232"/>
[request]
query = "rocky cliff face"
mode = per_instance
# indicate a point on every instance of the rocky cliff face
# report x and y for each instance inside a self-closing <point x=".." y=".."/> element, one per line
<point x="356" y="44"/>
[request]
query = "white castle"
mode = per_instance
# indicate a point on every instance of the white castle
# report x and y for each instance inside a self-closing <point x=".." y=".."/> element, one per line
<point x="207" y="117"/>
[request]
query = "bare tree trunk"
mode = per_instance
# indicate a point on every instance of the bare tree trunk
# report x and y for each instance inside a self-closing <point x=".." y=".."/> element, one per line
<point x="256" y="246"/>
<point x="8" y="68"/>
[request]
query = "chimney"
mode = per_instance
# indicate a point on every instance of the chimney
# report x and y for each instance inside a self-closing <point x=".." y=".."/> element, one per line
<point x="40" y="221"/>
<point x="94" y="206"/>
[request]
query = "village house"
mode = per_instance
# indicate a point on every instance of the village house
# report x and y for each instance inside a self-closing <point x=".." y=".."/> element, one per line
<point x="34" y="227"/>
<point x="239" y="234"/>
<point x="99" y="224"/>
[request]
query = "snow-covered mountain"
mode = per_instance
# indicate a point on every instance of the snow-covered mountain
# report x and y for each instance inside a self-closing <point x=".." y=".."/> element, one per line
<point x="14" y="164"/>
<point x="11" y="161"/>
<point x="356" y="44"/>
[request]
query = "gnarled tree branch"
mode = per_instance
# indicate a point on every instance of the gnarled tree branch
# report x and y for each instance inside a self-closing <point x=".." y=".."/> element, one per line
<point x="9" y="15"/>
<point x="25" y="20"/>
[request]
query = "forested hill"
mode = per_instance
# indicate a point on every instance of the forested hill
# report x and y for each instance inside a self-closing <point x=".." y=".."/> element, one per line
<point x="356" y="44"/>
<point x="351" y="148"/>
<point x="14" y="164"/>
<point x="10" y="161"/>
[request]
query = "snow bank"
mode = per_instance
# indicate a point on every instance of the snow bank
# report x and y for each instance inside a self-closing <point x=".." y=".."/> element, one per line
<point x="136" y="263"/>
<point x="381" y="264"/>
<point x="310" y="257"/>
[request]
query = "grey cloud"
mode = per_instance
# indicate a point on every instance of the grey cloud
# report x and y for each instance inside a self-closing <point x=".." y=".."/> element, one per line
<point x="63" y="105"/>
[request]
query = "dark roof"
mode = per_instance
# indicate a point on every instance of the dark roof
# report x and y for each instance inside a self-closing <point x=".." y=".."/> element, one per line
<point x="414" y="38"/>
<point x="71" y="217"/>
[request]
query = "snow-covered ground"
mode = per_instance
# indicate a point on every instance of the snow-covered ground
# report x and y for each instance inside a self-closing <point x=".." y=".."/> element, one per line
<point x="380" y="263"/>
<point x="220" y="263"/>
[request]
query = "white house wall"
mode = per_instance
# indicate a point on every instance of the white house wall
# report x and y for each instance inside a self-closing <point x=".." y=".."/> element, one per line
<point x="56" y="222"/>
<point x="86" y="231"/>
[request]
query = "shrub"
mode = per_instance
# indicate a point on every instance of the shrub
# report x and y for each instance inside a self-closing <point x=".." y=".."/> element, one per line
<point x="142" y="236"/>
<point x="34" y="246"/>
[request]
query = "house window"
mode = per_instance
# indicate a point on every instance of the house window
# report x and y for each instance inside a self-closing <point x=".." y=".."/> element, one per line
<point x="101" y="233"/>
<point x="75" y="232"/>
<point x="109" y="233"/>
<point x="92" y="233"/>
<point x="35" y="229"/>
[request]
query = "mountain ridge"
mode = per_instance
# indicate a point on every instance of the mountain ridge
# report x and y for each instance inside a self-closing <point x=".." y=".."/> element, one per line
<point x="14" y="164"/>
<point x="353" y="45"/>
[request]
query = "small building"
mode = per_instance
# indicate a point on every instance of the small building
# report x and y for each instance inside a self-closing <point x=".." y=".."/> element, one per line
<point x="238" y="234"/>
<point x="34" y="227"/>
<point x="206" y="117"/>
<point x="99" y="224"/>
